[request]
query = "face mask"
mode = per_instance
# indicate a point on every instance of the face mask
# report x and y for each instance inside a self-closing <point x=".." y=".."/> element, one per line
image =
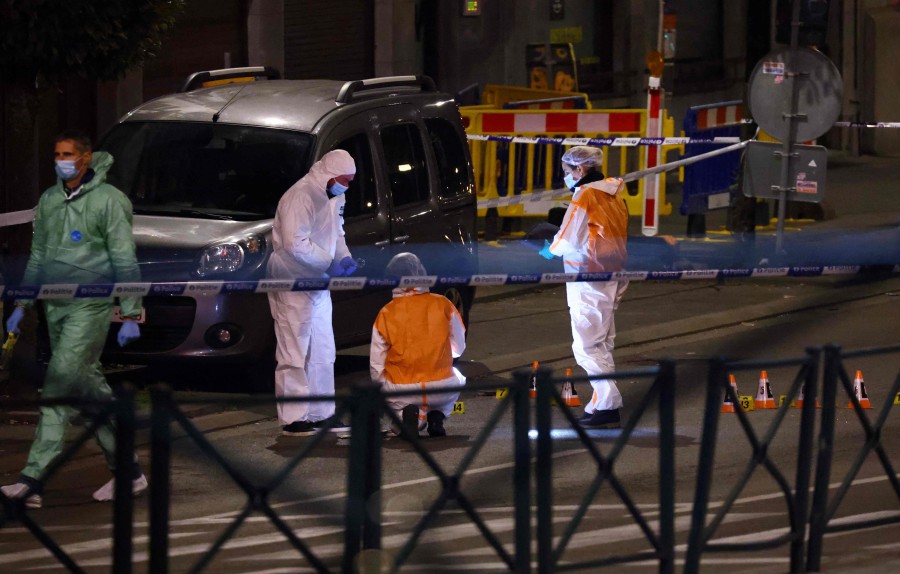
<point x="570" y="180"/>
<point x="65" y="169"/>
<point x="337" y="189"/>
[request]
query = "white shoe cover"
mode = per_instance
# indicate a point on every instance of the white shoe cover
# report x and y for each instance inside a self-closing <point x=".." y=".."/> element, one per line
<point x="107" y="492"/>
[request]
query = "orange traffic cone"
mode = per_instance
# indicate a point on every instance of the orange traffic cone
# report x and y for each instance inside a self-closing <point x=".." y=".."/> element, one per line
<point x="799" y="403"/>
<point x="569" y="395"/>
<point x="727" y="405"/>
<point x="859" y="389"/>
<point x="532" y="390"/>
<point x="764" y="397"/>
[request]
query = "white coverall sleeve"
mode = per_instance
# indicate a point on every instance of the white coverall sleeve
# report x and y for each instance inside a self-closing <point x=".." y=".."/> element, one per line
<point x="377" y="356"/>
<point x="457" y="335"/>
<point x="303" y="249"/>
<point x="572" y="236"/>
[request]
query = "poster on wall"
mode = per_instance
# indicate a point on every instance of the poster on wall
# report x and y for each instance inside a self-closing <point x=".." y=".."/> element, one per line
<point x="552" y="67"/>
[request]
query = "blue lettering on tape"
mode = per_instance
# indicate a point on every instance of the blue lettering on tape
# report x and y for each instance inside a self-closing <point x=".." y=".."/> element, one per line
<point x="22" y="292"/>
<point x="596" y="276"/>
<point x="310" y="285"/>
<point x="664" y="275"/>
<point x="523" y="279"/>
<point x="736" y="273"/>
<point x="239" y="286"/>
<point x="104" y="290"/>
<point x="454" y="280"/>
<point x="378" y="282"/>
<point x="805" y="271"/>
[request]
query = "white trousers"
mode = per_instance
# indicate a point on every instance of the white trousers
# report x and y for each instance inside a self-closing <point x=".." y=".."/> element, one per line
<point x="591" y="308"/>
<point x="435" y="396"/>
<point x="305" y="353"/>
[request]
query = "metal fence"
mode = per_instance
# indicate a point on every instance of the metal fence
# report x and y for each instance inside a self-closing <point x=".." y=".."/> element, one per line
<point x="365" y="405"/>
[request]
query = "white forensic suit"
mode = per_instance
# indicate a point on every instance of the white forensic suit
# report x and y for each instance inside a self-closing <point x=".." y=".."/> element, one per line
<point x="592" y="239"/>
<point x="307" y="235"/>
<point x="414" y="341"/>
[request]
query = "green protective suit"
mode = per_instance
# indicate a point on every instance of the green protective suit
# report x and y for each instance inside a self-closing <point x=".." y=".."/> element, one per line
<point x="86" y="238"/>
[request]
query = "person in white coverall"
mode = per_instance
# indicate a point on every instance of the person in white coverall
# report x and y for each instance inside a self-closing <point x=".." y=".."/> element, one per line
<point x="308" y="241"/>
<point x="592" y="239"/>
<point x="414" y="341"/>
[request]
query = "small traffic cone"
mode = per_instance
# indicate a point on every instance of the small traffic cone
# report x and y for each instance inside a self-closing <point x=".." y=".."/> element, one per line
<point x="764" y="397"/>
<point x="799" y="403"/>
<point x="859" y="389"/>
<point x="569" y="395"/>
<point x="727" y="405"/>
<point x="532" y="390"/>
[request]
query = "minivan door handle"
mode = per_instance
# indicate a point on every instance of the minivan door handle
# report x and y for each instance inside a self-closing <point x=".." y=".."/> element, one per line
<point x="401" y="238"/>
<point x="382" y="243"/>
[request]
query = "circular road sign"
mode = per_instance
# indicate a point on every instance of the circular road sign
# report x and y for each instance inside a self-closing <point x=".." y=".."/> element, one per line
<point x="819" y="93"/>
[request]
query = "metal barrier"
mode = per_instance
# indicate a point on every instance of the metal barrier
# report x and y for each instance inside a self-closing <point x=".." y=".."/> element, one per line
<point x="505" y="169"/>
<point x="706" y="186"/>
<point x="823" y="510"/>
<point x="796" y="497"/>
<point x="362" y="520"/>
<point x="499" y="96"/>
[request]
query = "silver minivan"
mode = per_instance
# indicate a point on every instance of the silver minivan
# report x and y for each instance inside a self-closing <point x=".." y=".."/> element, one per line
<point x="204" y="169"/>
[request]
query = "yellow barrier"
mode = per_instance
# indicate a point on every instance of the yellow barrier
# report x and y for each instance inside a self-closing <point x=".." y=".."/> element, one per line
<point x="496" y="95"/>
<point x="524" y="168"/>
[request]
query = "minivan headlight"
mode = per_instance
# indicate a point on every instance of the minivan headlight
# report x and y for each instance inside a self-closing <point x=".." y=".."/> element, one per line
<point x="231" y="256"/>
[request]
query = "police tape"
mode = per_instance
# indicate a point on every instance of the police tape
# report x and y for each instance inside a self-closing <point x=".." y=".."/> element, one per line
<point x="554" y="194"/>
<point x="214" y="288"/>
<point x="613" y="142"/>
<point x="892" y="125"/>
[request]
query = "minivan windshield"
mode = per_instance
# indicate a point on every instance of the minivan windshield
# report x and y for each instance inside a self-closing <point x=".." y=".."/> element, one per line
<point x="203" y="170"/>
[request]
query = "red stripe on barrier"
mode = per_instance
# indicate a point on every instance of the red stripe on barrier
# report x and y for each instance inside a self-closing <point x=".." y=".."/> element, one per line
<point x="624" y="122"/>
<point x="649" y="210"/>
<point x="498" y="123"/>
<point x="654" y="104"/>
<point x="722" y="115"/>
<point x="562" y="123"/>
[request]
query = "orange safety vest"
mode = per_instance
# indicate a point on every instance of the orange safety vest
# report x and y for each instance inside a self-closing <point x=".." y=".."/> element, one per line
<point x="417" y="331"/>
<point x="601" y="247"/>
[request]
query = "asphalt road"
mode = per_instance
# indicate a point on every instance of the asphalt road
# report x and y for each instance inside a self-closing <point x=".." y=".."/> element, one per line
<point x="689" y="322"/>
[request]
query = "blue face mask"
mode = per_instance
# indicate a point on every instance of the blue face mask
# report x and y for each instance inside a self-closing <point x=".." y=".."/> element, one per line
<point x="66" y="169"/>
<point x="337" y="189"/>
<point x="570" y="181"/>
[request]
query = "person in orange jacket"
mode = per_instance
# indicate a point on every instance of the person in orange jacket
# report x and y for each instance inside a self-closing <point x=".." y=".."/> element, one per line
<point x="592" y="239"/>
<point x="414" y="341"/>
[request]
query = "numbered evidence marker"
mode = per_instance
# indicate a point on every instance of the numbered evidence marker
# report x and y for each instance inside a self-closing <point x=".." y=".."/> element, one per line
<point x="897" y="399"/>
<point x="459" y="408"/>
<point x="501" y="393"/>
<point x="782" y="398"/>
<point x="747" y="402"/>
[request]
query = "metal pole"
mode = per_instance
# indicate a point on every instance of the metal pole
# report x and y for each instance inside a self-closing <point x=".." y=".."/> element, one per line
<point x="372" y="523"/>
<point x="788" y="144"/>
<point x="804" y="458"/>
<point x="160" y="479"/>
<point x="123" y="508"/>
<point x="667" y="467"/>
<point x="716" y="380"/>
<point x="823" y="464"/>
<point x="522" y="471"/>
<point x="355" y="513"/>
<point x="544" y="474"/>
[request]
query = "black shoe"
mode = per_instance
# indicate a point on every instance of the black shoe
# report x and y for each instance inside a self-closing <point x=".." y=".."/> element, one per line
<point x="334" y="424"/>
<point x="601" y="420"/>
<point x="436" y="423"/>
<point x="410" y="417"/>
<point x="298" y="428"/>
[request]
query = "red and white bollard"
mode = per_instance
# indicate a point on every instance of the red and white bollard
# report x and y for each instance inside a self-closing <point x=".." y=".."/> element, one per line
<point x="650" y="225"/>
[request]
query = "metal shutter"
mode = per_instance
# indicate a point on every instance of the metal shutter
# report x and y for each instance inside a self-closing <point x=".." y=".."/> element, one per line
<point x="331" y="39"/>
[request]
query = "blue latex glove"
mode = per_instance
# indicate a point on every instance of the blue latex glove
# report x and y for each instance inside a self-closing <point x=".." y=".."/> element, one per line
<point x="336" y="269"/>
<point x="545" y="252"/>
<point x="128" y="332"/>
<point x="12" y="324"/>
<point x="349" y="264"/>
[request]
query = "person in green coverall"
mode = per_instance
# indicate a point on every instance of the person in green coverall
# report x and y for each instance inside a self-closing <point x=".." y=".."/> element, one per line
<point x="82" y="235"/>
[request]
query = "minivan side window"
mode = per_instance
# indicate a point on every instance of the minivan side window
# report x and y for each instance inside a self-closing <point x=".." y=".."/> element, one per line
<point x="405" y="159"/>
<point x="453" y="168"/>
<point x="362" y="197"/>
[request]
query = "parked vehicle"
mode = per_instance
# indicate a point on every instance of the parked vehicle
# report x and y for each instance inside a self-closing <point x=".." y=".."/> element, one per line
<point x="205" y="168"/>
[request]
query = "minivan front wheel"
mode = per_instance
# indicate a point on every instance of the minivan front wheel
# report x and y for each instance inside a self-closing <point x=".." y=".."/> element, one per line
<point x="462" y="298"/>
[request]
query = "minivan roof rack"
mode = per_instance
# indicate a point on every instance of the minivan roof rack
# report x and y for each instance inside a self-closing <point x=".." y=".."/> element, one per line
<point x="211" y="78"/>
<point x="425" y="83"/>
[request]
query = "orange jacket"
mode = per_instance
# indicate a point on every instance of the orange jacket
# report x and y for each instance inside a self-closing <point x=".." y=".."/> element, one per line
<point x="415" y="338"/>
<point x="594" y="230"/>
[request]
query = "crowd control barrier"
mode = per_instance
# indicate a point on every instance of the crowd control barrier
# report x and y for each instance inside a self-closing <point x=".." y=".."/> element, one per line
<point x="497" y="96"/>
<point x="531" y="465"/>
<point x="507" y="169"/>
<point x="706" y="186"/>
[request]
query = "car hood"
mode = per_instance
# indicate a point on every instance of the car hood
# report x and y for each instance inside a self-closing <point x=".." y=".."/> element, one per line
<point x="157" y="232"/>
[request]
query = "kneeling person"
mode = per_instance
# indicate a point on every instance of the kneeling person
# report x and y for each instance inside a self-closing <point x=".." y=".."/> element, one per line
<point x="414" y="341"/>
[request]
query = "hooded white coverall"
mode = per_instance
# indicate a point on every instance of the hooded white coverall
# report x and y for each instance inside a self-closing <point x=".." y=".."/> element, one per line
<point x="592" y="239"/>
<point x="414" y="341"/>
<point x="307" y="235"/>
